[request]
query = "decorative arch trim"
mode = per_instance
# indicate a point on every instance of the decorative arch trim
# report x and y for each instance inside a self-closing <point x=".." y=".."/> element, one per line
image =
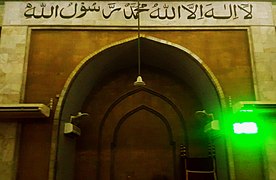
<point x="123" y="120"/>
<point x="138" y="90"/>
<point x="66" y="103"/>
<point x="140" y="108"/>
<point x="90" y="57"/>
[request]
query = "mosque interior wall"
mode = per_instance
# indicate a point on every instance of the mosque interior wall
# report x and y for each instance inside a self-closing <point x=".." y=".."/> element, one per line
<point x="27" y="62"/>
<point x="71" y="46"/>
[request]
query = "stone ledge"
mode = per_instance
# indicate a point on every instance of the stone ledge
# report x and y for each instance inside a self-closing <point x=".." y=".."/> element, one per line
<point x="23" y="111"/>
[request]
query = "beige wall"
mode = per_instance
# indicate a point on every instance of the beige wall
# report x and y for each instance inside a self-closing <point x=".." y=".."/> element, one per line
<point x="12" y="57"/>
<point x="264" y="42"/>
<point x="1" y="13"/>
<point x="274" y="13"/>
<point x="264" y="58"/>
<point x="264" y="55"/>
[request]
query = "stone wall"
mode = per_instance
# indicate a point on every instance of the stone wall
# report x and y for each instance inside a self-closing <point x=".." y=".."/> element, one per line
<point x="270" y="147"/>
<point x="264" y="57"/>
<point x="12" y="57"/>
<point x="274" y="13"/>
<point x="1" y="13"/>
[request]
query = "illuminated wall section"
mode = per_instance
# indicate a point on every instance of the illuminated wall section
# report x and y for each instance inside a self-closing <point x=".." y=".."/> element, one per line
<point x="45" y="61"/>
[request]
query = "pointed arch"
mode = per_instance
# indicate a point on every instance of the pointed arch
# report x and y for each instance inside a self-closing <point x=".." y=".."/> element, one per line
<point x="138" y="90"/>
<point x="91" y="68"/>
<point x="124" y="119"/>
<point x="162" y="54"/>
<point x="140" y="108"/>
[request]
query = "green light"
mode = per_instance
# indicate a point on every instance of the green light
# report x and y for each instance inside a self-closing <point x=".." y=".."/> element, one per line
<point x="245" y="128"/>
<point x="246" y="110"/>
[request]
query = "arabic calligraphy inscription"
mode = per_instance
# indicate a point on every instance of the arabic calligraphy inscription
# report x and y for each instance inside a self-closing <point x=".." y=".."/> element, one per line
<point x="175" y="12"/>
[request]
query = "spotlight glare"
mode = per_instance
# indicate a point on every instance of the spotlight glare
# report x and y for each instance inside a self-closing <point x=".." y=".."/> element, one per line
<point x="245" y="128"/>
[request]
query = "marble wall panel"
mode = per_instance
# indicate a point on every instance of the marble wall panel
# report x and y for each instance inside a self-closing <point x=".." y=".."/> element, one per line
<point x="264" y="56"/>
<point x="270" y="149"/>
<point x="1" y="13"/>
<point x="8" y="136"/>
<point x="12" y="57"/>
<point x="274" y="13"/>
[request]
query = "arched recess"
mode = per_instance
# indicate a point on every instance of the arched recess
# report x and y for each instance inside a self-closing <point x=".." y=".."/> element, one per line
<point x="167" y="127"/>
<point x="176" y="130"/>
<point x="149" y="91"/>
<point x="175" y="59"/>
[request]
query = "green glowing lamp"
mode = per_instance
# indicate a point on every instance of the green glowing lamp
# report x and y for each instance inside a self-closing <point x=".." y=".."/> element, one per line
<point x="246" y="121"/>
<point x="245" y="128"/>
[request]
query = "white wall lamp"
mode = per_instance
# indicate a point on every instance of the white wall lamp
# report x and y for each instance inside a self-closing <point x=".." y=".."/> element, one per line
<point x="139" y="81"/>
<point x="71" y="128"/>
<point x="210" y="124"/>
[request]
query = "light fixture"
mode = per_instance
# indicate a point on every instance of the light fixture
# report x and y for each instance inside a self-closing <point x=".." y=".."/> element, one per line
<point x="245" y="128"/>
<point x="208" y="121"/>
<point x="139" y="81"/>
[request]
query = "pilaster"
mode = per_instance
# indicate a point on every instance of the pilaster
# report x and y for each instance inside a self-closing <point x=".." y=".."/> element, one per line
<point x="12" y="63"/>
